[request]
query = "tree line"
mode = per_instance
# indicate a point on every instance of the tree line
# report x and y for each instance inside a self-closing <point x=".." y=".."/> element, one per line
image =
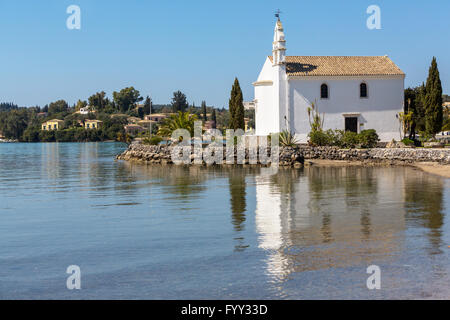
<point x="24" y="123"/>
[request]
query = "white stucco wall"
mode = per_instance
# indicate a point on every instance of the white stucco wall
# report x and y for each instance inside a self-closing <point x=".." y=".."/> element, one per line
<point x="266" y="111"/>
<point x="378" y="111"/>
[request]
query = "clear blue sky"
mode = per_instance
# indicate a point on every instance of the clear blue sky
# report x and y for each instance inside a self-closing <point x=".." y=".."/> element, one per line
<point x="199" y="46"/>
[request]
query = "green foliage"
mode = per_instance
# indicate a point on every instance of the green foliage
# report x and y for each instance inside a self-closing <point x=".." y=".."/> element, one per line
<point x="31" y="134"/>
<point x="99" y="101"/>
<point x="214" y="118"/>
<point x="204" y="111"/>
<point x="236" y="107"/>
<point x="14" y="121"/>
<point x="368" y="138"/>
<point x="154" y="140"/>
<point x="73" y="135"/>
<point x="179" y="102"/>
<point x="315" y="120"/>
<point x="56" y="107"/>
<point x="408" y="142"/>
<point x="80" y="104"/>
<point x="148" y="106"/>
<point x="349" y="140"/>
<point x="344" y="139"/>
<point x="287" y="139"/>
<point x="446" y="125"/>
<point x="6" y="106"/>
<point x="126" y="99"/>
<point x="433" y="101"/>
<point x="322" y="138"/>
<point x="181" y="120"/>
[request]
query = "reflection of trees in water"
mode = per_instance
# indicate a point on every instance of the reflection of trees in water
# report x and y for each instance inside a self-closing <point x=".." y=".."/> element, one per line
<point x="284" y="180"/>
<point x="236" y="180"/>
<point x="357" y="184"/>
<point x="424" y="205"/>
<point x="182" y="182"/>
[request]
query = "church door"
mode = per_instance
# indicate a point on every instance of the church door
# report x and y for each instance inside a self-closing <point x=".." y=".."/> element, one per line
<point x="351" y="124"/>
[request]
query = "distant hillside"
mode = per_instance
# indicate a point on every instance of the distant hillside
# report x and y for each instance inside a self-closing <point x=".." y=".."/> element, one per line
<point x="5" y="106"/>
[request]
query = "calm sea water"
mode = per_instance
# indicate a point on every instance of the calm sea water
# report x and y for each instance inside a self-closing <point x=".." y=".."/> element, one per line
<point x="148" y="232"/>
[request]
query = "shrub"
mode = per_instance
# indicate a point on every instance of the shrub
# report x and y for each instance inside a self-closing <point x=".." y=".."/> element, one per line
<point x="154" y="140"/>
<point x="408" y="142"/>
<point x="319" y="138"/>
<point x="287" y="139"/>
<point x="368" y="138"/>
<point x="349" y="140"/>
<point x="344" y="139"/>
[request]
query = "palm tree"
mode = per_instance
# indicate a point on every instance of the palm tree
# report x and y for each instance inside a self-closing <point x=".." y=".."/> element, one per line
<point x="181" y="120"/>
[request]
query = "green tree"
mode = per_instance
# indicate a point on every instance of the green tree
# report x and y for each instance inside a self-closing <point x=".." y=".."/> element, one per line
<point x="181" y="120"/>
<point x="126" y="99"/>
<point x="98" y="101"/>
<point x="214" y="118"/>
<point x="179" y="102"/>
<point x="236" y="107"/>
<point x="205" y="118"/>
<point x="80" y="104"/>
<point x="433" y="101"/>
<point x="414" y="98"/>
<point x="58" y="107"/>
<point x="148" y="106"/>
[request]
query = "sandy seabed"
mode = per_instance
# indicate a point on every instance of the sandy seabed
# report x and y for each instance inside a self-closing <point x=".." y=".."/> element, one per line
<point x="442" y="170"/>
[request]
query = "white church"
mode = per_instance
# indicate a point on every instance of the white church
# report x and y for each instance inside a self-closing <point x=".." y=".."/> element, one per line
<point x="353" y="93"/>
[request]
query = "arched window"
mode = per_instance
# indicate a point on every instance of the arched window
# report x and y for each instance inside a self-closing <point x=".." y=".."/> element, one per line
<point x="324" y="91"/>
<point x="363" y="90"/>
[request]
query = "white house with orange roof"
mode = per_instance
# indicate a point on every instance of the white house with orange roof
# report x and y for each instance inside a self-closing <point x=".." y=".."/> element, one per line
<point x="353" y="93"/>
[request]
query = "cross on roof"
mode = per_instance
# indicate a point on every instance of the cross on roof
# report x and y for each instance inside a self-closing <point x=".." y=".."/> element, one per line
<point x="277" y="14"/>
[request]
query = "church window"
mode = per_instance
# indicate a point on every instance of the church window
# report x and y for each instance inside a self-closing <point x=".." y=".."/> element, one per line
<point x="363" y="90"/>
<point x="324" y="91"/>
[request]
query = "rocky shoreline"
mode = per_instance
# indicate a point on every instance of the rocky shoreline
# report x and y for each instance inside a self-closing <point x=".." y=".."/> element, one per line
<point x="161" y="154"/>
<point x="295" y="156"/>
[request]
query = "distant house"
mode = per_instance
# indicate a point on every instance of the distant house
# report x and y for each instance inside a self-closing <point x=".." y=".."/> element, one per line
<point x="250" y="105"/>
<point x="133" y="129"/>
<point x="208" y="125"/>
<point x="146" y="123"/>
<point x="246" y="126"/>
<point x="446" y="107"/>
<point x="92" y="124"/>
<point x="156" y="117"/>
<point x="133" y="120"/>
<point x="85" y="110"/>
<point x="54" y="124"/>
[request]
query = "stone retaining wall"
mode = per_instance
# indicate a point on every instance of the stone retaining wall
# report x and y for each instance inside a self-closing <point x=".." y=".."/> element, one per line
<point x="407" y="155"/>
<point x="289" y="157"/>
<point x="295" y="156"/>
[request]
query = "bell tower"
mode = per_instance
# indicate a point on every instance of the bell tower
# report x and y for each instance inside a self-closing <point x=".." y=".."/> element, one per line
<point x="279" y="43"/>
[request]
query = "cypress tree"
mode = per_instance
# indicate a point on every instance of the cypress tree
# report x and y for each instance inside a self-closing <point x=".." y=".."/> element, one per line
<point x="148" y="106"/>
<point x="204" y="111"/>
<point x="236" y="107"/>
<point x="433" y="101"/>
<point x="213" y="118"/>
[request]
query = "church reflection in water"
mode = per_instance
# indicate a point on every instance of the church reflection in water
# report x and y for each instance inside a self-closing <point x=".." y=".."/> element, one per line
<point x="332" y="217"/>
<point x="316" y="218"/>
